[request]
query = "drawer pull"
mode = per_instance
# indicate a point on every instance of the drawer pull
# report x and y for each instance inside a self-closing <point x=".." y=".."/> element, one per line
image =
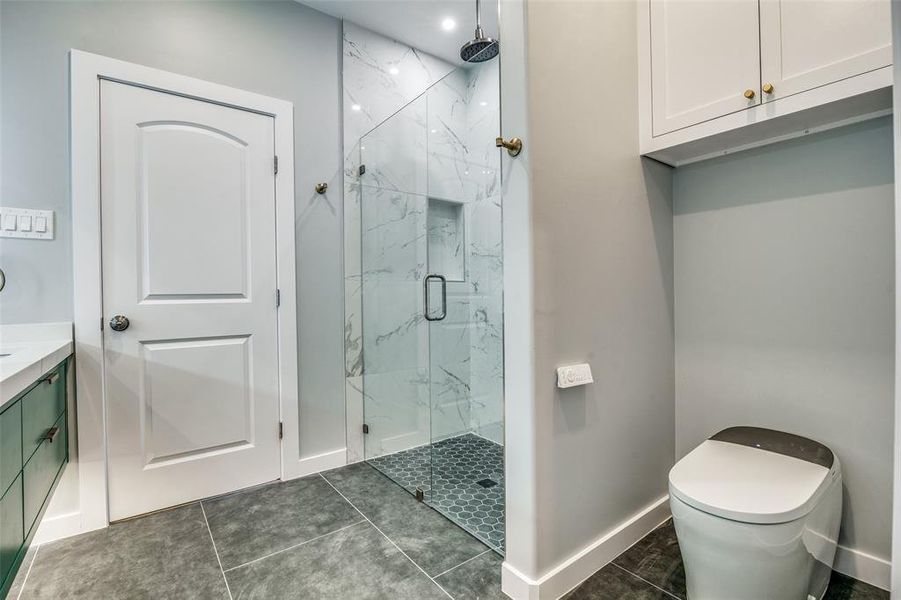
<point x="50" y="379"/>
<point x="51" y="433"/>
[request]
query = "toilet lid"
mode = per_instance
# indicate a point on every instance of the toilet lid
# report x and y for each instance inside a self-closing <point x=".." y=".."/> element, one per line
<point x="754" y="475"/>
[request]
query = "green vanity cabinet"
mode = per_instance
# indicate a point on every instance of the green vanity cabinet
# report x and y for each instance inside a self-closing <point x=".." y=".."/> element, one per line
<point x="33" y="451"/>
<point x="41" y="470"/>
<point x="10" y="445"/>
<point x="41" y="407"/>
<point x="12" y="532"/>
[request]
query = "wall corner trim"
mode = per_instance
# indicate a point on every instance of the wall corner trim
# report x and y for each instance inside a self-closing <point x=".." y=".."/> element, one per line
<point x="583" y="564"/>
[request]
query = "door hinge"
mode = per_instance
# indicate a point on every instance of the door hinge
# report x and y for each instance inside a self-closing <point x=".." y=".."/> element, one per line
<point x="281" y="430"/>
<point x="278" y="298"/>
<point x="420" y="495"/>
<point x="365" y="428"/>
<point x="101" y="323"/>
<point x="362" y="170"/>
<point x="275" y="165"/>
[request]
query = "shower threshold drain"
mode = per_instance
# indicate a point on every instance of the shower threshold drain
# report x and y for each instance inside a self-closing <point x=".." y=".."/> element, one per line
<point x="487" y="483"/>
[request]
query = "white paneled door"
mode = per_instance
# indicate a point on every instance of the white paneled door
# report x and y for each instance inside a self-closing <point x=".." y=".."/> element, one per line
<point x="189" y="259"/>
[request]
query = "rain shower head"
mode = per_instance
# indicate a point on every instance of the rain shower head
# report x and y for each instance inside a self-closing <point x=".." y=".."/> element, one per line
<point x="481" y="48"/>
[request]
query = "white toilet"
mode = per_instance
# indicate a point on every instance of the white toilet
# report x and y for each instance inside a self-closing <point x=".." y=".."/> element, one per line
<point x="757" y="515"/>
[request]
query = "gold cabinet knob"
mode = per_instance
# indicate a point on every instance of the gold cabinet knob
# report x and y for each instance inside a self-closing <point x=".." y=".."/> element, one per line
<point x="749" y="94"/>
<point x="768" y="88"/>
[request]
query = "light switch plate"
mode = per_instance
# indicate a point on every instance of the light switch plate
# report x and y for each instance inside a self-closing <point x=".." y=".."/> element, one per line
<point x="573" y="375"/>
<point x="24" y="223"/>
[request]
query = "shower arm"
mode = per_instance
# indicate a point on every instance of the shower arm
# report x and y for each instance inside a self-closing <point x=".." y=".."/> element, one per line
<point x="478" y="32"/>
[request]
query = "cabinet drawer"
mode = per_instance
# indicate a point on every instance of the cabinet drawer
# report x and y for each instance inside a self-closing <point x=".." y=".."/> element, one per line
<point x="41" y="407"/>
<point x="12" y="532"/>
<point x="10" y="445"/>
<point x="41" y="469"/>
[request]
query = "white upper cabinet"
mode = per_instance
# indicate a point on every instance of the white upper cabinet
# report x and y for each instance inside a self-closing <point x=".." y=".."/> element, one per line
<point x="809" y="43"/>
<point x="717" y="76"/>
<point x="705" y="55"/>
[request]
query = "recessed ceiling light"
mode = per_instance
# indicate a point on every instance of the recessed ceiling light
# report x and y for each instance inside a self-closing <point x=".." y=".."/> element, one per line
<point x="483" y="103"/>
<point x="394" y="70"/>
<point x="448" y="24"/>
<point x="355" y="107"/>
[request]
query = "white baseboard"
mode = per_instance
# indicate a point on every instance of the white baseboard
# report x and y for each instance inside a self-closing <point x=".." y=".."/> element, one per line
<point x="865" y="567"/>
<point x="582" y="565"/>
<point x="316" y="463"/>
<point x="62" y="526"/>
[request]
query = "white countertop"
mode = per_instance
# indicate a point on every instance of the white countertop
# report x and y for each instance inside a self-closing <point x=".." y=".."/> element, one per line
<point x="32" y="349"/>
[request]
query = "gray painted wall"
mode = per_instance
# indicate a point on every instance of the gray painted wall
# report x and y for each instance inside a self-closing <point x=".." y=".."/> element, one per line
<point x="784" y="279"/>
<point x="280" y="49"/>
<point x="602" y="235"/>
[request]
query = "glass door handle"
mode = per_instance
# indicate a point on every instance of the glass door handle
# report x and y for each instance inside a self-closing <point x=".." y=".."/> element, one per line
<point x="427" y="295"/>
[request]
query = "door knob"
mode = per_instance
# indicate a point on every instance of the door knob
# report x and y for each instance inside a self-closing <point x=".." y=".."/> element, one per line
<point x="768" y="88"/>
<point x="513" y="146"/>
<point x="749" y="94"/>
<point x="119" y="323"/>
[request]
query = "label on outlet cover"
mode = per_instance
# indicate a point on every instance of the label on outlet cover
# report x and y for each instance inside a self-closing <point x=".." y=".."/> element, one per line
<point x="573" y="375"/>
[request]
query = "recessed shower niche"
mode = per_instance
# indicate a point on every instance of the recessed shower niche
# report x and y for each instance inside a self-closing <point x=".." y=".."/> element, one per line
<point x="446" y="227"/>
<point x="429" y="216"/>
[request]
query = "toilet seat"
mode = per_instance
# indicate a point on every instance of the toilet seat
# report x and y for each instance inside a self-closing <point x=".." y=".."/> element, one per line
<point x="754" y="475"/>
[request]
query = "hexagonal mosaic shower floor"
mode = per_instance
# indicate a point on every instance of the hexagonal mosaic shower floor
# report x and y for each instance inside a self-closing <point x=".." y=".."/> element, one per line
<point x="462" y="477"/>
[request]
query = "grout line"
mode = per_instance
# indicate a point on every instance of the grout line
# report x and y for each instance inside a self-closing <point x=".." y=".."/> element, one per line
<point x="318" y="537"/>
<point x="432" y="579"/>
<point x="670" y="594"/>
<point x="216" y="551"/>
<point x="463" y="563"/>
<point x="28" y="572"/>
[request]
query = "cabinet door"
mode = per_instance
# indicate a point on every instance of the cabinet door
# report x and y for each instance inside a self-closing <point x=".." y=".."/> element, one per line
<point x="704" y="56"/>
<point x="11" y="527"/>
<point x="807" y="44"/>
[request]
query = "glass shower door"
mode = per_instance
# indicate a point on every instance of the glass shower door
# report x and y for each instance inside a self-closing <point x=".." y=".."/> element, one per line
<point x="464" y="247"/>
<point x="432" y="300"/>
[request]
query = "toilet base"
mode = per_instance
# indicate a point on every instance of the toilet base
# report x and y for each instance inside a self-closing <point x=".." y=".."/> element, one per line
<point x="729" y="560"/>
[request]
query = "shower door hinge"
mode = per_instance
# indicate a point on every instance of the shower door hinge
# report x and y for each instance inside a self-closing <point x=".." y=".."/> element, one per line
<point x="101" y="323"/>
<point x="365" y="428"/>
<point x="281" y="430"/>
<point x="275" y="165"/>
<point x="420" y="495"/>
<point x="278" y="298"/>
<point x="362" y="170"/>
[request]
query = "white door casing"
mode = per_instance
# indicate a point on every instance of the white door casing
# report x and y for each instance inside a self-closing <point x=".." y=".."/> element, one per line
<point x="704" y="55"/>
<point x="804" y="45"/>
<point x="189" y="256"/>
<point x="90" y="461"/>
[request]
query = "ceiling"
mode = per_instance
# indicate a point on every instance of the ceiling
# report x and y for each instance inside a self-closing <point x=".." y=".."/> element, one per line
<point x="417" y="23"/>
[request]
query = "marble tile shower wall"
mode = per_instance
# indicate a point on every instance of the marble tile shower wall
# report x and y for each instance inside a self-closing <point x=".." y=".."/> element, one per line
<point x="424" y="129"/>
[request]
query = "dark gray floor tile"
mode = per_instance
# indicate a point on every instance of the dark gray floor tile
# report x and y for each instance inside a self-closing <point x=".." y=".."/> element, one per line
<point x="356" y="562"/>
<point x="656" y="558"/>
<point x="164" y="555"/>
<point x="613" y="583"/>
<point x="16" y="587"/>
<point x="477" y="579"/>
<point x="842" y="587"/>
<point x="249" y="525"/>
<point x="431" y="540"/>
